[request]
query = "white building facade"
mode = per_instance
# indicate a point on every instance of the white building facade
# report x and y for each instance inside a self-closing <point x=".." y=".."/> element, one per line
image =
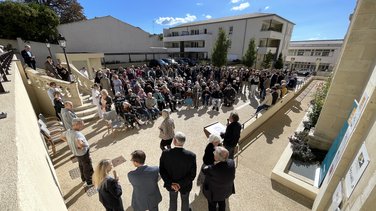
<point x="197" y="39"/>
<point x="109" y="35"/>
<point x="314" y="55"/>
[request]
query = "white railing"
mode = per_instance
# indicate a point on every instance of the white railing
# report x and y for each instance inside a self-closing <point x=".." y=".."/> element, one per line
<point x="40" y="81"/>
<point x="84" y="84"/>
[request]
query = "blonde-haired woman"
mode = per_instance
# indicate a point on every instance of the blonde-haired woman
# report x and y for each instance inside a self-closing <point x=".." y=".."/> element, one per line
<point x="166" y="130"/>
<point x="108" y="187"/>
<point x="105" y="101"/>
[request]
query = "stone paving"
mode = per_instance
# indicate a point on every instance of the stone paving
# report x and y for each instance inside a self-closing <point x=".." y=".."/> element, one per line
<point x="254" y="189"/>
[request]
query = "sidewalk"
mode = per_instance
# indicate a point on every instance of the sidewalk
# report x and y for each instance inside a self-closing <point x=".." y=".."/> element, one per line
<point x="259" y="157"/>
<point x="254" y="190"/>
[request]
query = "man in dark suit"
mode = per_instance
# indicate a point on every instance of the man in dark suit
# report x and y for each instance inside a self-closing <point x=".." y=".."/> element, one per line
<point x="146" y="194"/>
<point x="28" y="57"/>
<point x="177" y="167"/>
<point x="232" y="134"/>
<point x="219" y="180"/>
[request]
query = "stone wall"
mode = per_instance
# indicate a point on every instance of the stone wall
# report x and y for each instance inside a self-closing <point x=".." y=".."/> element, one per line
<point x="28" y="180"/>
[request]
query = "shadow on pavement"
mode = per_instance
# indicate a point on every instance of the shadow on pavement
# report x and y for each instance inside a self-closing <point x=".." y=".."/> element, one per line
<point x="292" y="194"/>
<point x="200" y="202"/>
<point x="76" y="197"/>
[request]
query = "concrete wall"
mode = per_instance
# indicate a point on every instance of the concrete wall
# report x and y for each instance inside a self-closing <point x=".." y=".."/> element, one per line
<point x="39" y="50"/>
<point x="354" y="68"/>
<point x="28" y="180"/>
<point x="87" y="60"/>
<point x="107" y="35"/>
<point x="355" y="74"/>
<point x="6" y="42"/>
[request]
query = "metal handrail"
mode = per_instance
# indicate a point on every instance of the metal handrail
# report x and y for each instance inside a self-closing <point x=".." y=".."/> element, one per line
<point x="5" y="61"/>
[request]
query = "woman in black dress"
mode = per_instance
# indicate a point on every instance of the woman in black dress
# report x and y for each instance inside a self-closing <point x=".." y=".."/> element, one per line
<point x="108" y="187"/>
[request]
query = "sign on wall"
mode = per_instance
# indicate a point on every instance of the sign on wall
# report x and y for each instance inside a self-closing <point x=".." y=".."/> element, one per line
<point x="337" y="197"/>
<point x="356" y="170"/>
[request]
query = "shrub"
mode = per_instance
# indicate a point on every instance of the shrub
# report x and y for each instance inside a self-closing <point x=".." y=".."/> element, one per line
<point x="300" y="148"/>
<point x="317" y="104"/>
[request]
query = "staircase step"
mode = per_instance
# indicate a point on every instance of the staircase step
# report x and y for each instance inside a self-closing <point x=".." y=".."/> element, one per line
<point x="85" y="97"/>
<point x="87" y="112"/>
<point x="90" y="117"/>
<point x="85" y="106"/>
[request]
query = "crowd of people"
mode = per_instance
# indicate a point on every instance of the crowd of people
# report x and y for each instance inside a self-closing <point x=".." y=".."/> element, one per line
<point x="177" y="168"/>
<point x="140" y="95"/>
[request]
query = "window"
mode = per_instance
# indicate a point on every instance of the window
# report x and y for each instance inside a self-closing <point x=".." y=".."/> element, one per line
<point x="205" y="31"/>
<point x="220" y="28"/>
<point x="325" y="52"/>
<point x="300" y="52"/>
<point x="184" y="33"/>
<point x="230" y="30"/>
<point x="174" y="34"/>
<point x="318" y="52"/>
<point x="307" y="52"/>
<point x="175" y="45"/>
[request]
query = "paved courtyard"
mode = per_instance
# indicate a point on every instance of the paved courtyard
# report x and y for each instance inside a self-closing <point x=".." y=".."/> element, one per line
<point x="254" y="189"/>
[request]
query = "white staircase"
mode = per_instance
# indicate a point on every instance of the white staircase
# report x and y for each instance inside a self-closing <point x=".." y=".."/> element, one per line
<point x="87" y="111"/>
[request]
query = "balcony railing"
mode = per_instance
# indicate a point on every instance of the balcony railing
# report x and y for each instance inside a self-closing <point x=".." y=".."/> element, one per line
<point x="179" y="35"/>
<point x="275" y="29"/>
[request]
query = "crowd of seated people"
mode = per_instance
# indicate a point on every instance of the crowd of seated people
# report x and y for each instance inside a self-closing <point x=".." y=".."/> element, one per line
<point x="201" y="85"/>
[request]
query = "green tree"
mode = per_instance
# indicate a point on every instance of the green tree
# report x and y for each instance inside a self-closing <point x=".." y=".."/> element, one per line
<point x="219" y="56"/>
<point x="67" y="10"/>
<point x="267" y="60"/>
<point x="28" y="21"/>
<point x="279" y="63"/>
<point x="250" y="56"/>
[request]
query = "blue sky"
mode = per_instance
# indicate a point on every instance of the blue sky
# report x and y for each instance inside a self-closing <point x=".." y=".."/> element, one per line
<point x="314" y="19"/>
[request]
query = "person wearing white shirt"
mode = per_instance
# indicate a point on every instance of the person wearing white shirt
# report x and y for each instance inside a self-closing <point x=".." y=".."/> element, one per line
<point x="84" y="72"/>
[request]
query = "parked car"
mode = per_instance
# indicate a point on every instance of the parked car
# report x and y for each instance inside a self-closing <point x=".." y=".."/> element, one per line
<point x="157" y="62"/>
<point x="181" y="61"/>
<point x="170" y="61"/>
<point x="304" y="72"/>
<point x="187" y="61"/>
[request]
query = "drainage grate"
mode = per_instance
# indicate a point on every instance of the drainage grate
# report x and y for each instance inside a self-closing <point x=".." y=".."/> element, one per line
<point x="75" y="173"/>
<point x="74" y="159"/>
<point x="91" y="191"/>
<point x="117" y="161"/>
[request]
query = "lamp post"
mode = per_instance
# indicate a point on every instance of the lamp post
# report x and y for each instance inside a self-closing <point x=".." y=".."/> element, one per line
<point x="318" y="60"/>
<point x="48" y="45"/>
<point x="292" y="63"/>
<point x="63" y="45"/>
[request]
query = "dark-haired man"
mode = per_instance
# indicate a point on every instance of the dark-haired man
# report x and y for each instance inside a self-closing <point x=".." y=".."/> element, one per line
<point x="144" y="180"/>
<point x="232" y="134"/>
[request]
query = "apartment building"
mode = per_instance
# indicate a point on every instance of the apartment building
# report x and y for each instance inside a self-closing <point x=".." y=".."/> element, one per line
<point x="197" y="39"/>
<point x="315" y="55"/>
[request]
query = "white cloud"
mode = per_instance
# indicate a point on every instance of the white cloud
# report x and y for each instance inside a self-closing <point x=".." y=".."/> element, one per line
<point x="208" y="16"/>
<point x="173" y="21"/>
<point x="199" y="3"/>
<point x="267" y="7"/>
<point x="241" y="6"/>
<point x="235" y="1"/>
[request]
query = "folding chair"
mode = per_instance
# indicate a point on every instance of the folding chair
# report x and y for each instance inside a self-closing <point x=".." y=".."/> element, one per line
<point x="50" y="137"/>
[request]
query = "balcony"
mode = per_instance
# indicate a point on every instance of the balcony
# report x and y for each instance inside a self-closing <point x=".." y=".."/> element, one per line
<point x="271" y="34"/>
<point x="265" y="50"/>
<point x="195" y="37"/>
